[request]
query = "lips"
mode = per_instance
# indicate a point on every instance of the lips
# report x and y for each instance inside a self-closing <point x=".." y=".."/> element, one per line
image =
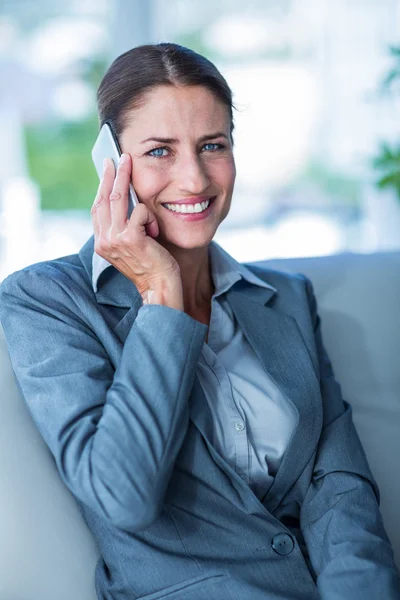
<point x="192" y="216"/>
<point x="192" y="201"/>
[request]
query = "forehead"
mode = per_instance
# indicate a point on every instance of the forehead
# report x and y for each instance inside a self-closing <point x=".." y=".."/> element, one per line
<point x="168" y="109"/>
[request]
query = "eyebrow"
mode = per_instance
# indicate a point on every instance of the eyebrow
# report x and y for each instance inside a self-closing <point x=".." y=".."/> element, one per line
<point x="162" y="140"/>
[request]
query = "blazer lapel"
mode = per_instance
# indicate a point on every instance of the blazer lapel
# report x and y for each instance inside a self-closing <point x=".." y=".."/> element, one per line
<point x="279" y="345"/>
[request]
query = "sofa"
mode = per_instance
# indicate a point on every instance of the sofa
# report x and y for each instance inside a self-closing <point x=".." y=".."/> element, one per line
<point x="46" y="550"/>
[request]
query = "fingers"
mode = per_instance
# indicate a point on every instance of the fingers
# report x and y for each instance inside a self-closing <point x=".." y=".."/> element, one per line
<point x="110" y="207"/>
<point x="119" y="195"/>
<point x="114" y="233"/>
<point x="100" y="212"/>
<point x="142" y="222"/>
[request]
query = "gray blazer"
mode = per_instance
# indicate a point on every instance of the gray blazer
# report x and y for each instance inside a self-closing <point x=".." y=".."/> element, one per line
<point x="115" y="395"/>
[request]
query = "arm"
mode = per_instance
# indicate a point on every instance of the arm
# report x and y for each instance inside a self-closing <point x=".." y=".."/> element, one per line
<point x="115" y="431"/>
<point x="340" y="518"/>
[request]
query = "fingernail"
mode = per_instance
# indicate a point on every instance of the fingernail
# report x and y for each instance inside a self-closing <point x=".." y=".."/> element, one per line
<point x="123" y="159"/>
<point x="105" y="163"/>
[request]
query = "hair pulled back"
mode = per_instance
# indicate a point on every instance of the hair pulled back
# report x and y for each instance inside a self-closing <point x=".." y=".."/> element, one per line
<point x="143" y="68"/>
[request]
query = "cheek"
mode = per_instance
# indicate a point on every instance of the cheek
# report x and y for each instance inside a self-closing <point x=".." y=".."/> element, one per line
<point x="148" y="182"/>
<point x="232" y="173"/>
<point x="224" y="173"/>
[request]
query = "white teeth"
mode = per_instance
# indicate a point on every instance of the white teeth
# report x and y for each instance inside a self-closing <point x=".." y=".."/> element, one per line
<point x="188" y="208"/>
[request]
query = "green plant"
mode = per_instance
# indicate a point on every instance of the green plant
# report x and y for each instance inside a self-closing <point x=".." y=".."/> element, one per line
<point x="394" y="72"/>
<point x="59" y="153"/>
<point x="388" y="159"/>
<point x="59" y="160"/>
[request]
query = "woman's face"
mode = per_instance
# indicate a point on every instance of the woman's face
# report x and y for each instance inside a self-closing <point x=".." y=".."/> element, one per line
<point x="181" y="149"/>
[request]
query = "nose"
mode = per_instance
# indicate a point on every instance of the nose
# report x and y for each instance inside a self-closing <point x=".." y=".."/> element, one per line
<point x="192" y="177"/>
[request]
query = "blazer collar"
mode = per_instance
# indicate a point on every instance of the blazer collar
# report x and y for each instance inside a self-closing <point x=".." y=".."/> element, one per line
<point x="113" y="288"/>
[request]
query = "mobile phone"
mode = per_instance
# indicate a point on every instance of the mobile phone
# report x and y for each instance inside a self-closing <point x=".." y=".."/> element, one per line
<point x="107" y="146"/>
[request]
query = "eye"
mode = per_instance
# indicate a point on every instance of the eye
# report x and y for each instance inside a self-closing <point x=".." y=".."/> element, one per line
<point x="159" y="152"/>
<point x="212" y="147"/>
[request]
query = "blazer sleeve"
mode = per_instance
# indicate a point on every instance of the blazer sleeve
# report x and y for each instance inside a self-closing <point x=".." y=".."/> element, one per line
<point x="340" y="517"/>
<point x="114" y="430"/>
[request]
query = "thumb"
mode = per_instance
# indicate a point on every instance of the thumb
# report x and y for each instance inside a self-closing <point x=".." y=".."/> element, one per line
<point x="152" y="228"/>
<point x="151" y="224"/>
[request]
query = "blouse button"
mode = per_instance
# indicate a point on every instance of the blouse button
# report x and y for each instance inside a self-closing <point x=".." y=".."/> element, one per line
<point x="239" y="425"/>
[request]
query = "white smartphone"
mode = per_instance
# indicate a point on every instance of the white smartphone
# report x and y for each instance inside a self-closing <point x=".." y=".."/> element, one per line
<point x="107" y="146"/>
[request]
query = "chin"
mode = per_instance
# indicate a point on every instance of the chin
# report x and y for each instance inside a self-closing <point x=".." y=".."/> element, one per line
<point x="186" y="241"/>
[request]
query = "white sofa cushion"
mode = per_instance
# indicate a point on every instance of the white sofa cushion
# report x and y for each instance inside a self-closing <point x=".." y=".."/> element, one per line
<point x="46" y="550"/>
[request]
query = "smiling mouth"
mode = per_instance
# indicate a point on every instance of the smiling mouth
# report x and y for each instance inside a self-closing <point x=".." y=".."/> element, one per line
<point x="187" y="209"/>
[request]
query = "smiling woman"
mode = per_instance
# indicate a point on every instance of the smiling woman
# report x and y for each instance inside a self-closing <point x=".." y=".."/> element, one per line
<point x="187" y="398"/>
<point x="173" y="119"/>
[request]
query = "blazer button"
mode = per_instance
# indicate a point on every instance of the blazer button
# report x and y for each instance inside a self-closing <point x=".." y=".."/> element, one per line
<point x="282" y="544"/>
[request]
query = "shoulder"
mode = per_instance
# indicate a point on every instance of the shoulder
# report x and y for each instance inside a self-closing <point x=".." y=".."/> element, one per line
<point x="283" y="281"/>
<point x="48" y="282"/>
<point x="295" y="294"/>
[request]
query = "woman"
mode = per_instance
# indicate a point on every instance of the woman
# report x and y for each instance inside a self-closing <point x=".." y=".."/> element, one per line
<point x="187" y="399"/>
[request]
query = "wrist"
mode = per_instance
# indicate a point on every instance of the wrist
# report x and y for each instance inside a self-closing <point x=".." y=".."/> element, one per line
<point x="166" y="291"/>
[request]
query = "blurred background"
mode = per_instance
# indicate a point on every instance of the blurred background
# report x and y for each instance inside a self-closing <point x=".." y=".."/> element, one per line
<point x="316" y="84"/>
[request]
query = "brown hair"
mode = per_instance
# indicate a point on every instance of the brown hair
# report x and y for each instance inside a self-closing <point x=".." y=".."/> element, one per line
<point x="143" y="68"/>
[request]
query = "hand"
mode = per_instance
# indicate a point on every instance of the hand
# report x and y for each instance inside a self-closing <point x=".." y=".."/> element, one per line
<point x="128" y="244"/>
